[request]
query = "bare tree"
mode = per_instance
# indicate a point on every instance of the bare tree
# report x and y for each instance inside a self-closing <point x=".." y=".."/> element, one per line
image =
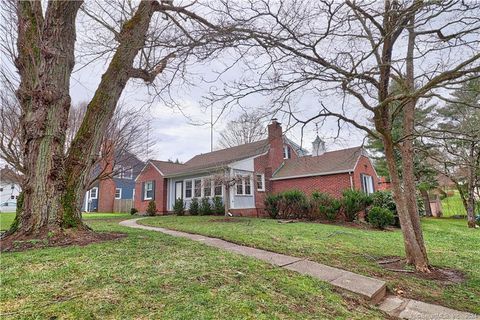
<point x="353" y="50"/>
<point x="245" y="129"/>
<point x="148" y="41"/>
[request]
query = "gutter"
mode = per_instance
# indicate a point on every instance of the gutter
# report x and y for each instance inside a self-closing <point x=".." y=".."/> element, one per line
<point x="313" y="174"/>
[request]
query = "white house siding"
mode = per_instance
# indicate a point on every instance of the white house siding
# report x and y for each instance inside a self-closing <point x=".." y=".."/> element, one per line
<point x="242" y="201"/>
<point x="8" y="191"/>
<point x="171" y="189"/>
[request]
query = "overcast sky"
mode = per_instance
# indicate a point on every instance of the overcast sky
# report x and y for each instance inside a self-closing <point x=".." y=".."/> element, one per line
<point x="183" y="134"/>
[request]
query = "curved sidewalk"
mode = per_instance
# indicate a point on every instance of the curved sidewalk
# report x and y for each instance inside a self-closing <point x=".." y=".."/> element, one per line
<point x="370" y="288"/>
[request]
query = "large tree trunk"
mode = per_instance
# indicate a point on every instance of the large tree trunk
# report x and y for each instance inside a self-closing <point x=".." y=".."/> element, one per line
<point x="407" y="150"/>
<point x="86" y="144"/>
<point x="470" y="198"/>
<point x="45" y="62"/>
<point x="414" y="246"/>
<point x="55" y="181"/>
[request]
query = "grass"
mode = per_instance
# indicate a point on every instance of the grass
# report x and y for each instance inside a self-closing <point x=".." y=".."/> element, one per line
<point x="453" y="205"/>
<point x="449" y="243"/>
<point x="149" y="275"/>
<point x="6" y="218"/>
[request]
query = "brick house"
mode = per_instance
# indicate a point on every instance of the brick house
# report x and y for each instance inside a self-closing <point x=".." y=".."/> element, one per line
<point x="244" y="174"/>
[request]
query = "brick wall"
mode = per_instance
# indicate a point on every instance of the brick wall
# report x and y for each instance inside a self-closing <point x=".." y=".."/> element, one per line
<point x="151" y="174"/>
<point x="364" y="166"/>
<point x="331" y="184"/>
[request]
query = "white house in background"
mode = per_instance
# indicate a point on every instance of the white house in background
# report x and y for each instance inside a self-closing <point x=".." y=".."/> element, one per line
<point x="9" y="189"/>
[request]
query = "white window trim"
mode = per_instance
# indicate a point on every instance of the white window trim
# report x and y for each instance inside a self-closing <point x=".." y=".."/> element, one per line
<point x="201" y="188"/>
<point x="367" y="183"/>
<point x="211" y="187"/>
<point x="120" y="194"/>
<point x="129" y="170"/>
<point x="96" y="193"/>
<point x="185" y="189"/>
<point x="285" y="152"/>
<point x="262" y="178"/>
<point x="244" y="178"/>
<point x="145" y="192"/>
<point x="213" y="190"/>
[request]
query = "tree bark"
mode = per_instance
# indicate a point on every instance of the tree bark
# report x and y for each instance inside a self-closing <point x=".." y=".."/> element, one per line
<point x="414" y="247"/>
<point x="45" y="62"/>
<point x="471" y="179"/>
<point x="407" y="150"/>
<point x="55" y="181"/>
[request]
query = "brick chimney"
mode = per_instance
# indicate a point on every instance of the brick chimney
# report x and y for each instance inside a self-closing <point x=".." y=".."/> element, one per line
<point x="106" y="187"/>
<point x="275" y="139"/>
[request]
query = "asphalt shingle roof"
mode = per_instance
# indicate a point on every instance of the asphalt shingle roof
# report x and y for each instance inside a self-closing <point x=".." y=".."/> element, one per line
<point x="330" y="162"/>
<point x="219" y="158"/>
<point x="167" y="167"/>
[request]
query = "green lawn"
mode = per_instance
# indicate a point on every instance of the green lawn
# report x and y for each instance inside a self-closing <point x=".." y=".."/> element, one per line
<point x="149" y="275"/>
<point x="449" y="243"/>
<point x="6" y="218"/>
<point x="453" y="205"/>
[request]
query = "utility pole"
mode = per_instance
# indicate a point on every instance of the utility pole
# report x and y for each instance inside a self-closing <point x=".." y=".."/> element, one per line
<point x="211" y="127"/>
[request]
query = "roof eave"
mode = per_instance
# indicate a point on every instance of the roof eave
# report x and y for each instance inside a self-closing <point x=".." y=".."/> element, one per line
<point x="312" y="174"/>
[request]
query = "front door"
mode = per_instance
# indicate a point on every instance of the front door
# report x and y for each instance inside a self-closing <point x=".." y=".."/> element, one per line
<point x="178" y="190"/>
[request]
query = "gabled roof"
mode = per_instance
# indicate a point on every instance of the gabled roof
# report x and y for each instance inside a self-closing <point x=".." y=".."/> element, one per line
<point x="331" y="162"/>
<point x="166" y="167"/>
<point x="221" y="158"/>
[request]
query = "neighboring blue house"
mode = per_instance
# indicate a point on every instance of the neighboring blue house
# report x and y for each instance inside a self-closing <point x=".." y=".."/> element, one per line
<point x="116" y="192"/>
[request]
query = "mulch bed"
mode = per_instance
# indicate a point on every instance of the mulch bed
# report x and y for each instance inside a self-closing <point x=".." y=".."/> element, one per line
<point x="442" y="275"/>
<point x="66" y="238"/>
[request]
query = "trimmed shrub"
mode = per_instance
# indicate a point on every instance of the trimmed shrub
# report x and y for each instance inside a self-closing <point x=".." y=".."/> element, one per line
<point x="292" y="204"/>
<point x="380" y="217"/>
<point x="322" y="205"/>
<point x="353" y="202"/>
<point x="271" y="205"/>
<point x="193" y="208"/>
<point x="152" y="208"/>
<point x="205" y="207"/>
<point x="384" y="199"/>
<point x="179" y="207"/>
<point x="218" y="207"/>
<point x="133" y="211"/>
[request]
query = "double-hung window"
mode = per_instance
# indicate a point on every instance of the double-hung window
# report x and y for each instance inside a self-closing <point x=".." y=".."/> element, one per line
<point x="287" y="153"/>
<point x="148" y="193"/>
<point x="217" y="190"/>
<point x="367" y="184"/>
<point x="197" y="190"/>
<point x="188" y="189"/>
<point x="94" y="193"/>
<point x="244" y="186"/>
<point x="127" y="173"/>
<point x="260" y="182"/>
<point x="239" y="185"/>
<point x="207" y="187"/>
<point x="118" y="193"/>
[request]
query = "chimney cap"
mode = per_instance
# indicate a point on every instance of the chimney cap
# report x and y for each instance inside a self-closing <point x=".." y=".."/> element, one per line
<point x="274" y="120"/>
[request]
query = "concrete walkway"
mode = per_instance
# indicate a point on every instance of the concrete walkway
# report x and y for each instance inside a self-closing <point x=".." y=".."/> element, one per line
<point x="370" y="288"/>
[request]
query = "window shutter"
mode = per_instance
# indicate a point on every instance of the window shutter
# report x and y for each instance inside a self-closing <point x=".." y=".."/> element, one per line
<point x="143" y="191"/>
<point x="362" y="180"/>
<point x="289" y="152"/>
<point x="153" y="190"/>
